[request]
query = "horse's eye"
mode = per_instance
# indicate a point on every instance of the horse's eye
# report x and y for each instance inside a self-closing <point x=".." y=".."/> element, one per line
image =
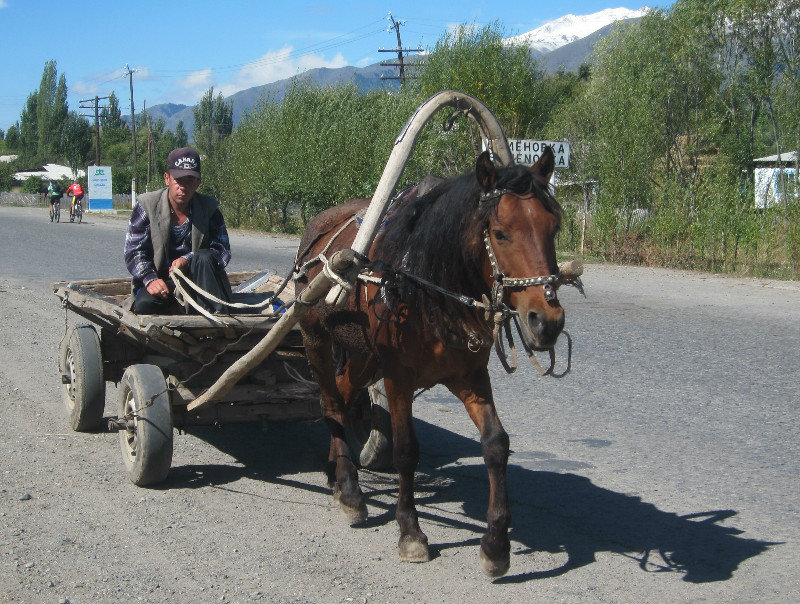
<point x="499" y="235"/>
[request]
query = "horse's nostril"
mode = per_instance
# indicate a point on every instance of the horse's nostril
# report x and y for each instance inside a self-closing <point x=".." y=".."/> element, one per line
<point x="535" y="324"/>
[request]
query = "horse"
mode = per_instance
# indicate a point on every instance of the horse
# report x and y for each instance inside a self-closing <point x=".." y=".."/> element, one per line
<point x="425" y="316"/>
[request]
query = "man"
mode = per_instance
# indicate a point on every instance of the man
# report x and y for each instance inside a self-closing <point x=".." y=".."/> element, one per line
<point x="54" y="192"/>
<point x="176" y="227"/>
<point x="75" y="190"/>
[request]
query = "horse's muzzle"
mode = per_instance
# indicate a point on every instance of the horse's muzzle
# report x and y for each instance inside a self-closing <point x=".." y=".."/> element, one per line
<point x="541" y="331"/>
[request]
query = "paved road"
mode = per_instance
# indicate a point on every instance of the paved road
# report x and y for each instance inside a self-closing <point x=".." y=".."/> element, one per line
<point x="664" y="468"/>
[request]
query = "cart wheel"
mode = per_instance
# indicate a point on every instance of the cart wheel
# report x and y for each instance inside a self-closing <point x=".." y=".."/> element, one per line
<point x="85" y="388"/>
<point x="147" y="441"/>
<point x="369" y="428"/>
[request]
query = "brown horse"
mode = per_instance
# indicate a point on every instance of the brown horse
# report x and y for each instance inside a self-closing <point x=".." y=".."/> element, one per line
<point x="487" y="235"/>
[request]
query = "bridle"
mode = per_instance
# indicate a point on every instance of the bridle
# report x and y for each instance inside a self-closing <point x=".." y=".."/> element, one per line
<point x="503" y="314"/>
<point x="549" y="283"/>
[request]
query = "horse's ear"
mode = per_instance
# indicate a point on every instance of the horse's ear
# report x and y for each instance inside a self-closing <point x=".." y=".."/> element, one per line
<point x="545" y="164"/>
<point x="485" y="171"/>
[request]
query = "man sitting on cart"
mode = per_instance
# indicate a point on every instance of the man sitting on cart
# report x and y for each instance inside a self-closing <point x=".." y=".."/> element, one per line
<point x="177" y="228"/>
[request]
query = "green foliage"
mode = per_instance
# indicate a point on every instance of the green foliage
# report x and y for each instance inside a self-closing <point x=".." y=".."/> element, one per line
<point x="213" y="121"/>
<point x="34" y="184"/>
<point x="76" y="140"/>
<point x="287" y="161"/>
<point x="29" y="128"/>
<point x="477" y="61"/>
<point x="12" y="138"/>
<point x="6" y="175"/>
<point x="674" y="111"/>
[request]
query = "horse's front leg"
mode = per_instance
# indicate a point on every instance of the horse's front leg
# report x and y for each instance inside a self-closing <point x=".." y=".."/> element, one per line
<point x="413" y="544"/>
<point x="475" y="391"/>
<point x="341" y="470"/>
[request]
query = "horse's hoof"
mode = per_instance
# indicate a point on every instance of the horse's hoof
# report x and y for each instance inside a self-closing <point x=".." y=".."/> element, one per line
<point x="494" y="568"/>
<point x="354" y="515"/>
<point x="412" y="550"/>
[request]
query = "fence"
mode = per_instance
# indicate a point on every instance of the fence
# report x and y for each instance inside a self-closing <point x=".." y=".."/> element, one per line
<point x="33" y="200"/>
<point x="29" y="200"/>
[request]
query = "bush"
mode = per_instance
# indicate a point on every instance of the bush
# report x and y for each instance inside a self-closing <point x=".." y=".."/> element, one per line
<point x="34" y="184"/>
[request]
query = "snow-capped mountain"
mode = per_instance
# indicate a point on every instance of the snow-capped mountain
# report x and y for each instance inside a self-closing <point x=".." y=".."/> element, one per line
<point x="555" y="34"/>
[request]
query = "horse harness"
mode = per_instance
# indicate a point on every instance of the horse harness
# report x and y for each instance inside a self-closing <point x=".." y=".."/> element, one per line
<point x="496" y="311"/>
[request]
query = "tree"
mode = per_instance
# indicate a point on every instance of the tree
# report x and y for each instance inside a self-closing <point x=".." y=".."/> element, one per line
<point x="110" y="115"/>
<point x="12" y="137"/>
<point x="181" y="136"/>
<point x="51" y="112"/>
<point x="46" y="98"/>
<point x="6" y="175"/>
<point x="29" y="129"/>
<point x="213" y="121"/>
<point x="76" y="140"/>
<point x="504" y="77"/>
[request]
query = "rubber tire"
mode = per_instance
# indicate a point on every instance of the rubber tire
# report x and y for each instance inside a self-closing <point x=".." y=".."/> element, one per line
<point x="147" y="446"/>
<point x="79" y="212"/>
<point x="85" y="394"/>
<point x="369" y="428"/>
<point x="57" y="212"/>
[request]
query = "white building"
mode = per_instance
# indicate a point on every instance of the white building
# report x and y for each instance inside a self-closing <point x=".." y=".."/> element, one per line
<point x="51" y="172"/>
<point x="774" y="179"/>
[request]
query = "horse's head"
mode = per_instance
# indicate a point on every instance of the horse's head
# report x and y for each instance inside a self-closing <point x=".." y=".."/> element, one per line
<point x="521" y="225"/>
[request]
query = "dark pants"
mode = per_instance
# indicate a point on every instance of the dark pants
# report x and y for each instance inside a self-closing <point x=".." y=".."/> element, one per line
<point x="206" y="273"/>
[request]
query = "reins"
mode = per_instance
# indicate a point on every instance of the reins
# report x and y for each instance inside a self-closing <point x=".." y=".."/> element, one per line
<point x="496" y="312"/>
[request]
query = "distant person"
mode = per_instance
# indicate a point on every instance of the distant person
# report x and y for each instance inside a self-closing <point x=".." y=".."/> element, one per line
<point x="176" y="227"/>
<point x="75" y="190"/>
<point x="54" y="192"/>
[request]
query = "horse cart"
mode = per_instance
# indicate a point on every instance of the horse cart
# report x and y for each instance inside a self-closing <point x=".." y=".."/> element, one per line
<point x="164" y="362"/>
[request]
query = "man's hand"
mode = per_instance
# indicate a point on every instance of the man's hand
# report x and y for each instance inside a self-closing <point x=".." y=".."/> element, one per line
<point x="158" y="288"/>
<point x="179" y="263"/>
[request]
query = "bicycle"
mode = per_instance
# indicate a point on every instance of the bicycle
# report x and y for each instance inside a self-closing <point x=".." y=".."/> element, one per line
<point x="76" y="212"/>
<point x="55" y="211"/>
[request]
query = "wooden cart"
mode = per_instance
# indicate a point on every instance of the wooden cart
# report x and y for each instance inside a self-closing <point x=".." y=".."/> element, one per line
<point x="165" y="362"/>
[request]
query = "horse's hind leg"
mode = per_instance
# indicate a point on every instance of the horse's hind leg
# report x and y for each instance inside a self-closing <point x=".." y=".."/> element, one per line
<point x="341" y="470"/>
<point x="413" y="544"/>
<point x="476" y="394"/>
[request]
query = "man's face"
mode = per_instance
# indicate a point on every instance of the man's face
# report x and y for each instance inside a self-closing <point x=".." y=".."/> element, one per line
<point x="181" y="189"/>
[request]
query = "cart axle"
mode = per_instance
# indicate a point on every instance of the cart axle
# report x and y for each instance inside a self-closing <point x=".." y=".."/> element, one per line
<point x="116" y="424"/>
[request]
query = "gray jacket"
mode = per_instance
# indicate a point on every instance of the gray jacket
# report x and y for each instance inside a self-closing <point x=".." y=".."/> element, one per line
<point x="156" y="206"/>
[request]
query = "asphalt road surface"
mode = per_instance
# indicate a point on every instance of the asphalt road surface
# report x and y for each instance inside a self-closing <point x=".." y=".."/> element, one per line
<point x="664" y="468"/>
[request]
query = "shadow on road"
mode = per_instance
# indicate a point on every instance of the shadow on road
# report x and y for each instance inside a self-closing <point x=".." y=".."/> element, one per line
<point x="551" y="511"/>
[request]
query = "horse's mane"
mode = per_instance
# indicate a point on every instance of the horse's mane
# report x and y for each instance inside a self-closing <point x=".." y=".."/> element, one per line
<point x="438" y="237"/>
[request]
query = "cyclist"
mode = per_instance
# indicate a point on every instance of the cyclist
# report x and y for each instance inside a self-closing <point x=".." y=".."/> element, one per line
<point x="75" y="190"/>
<point x="54" y="192"/>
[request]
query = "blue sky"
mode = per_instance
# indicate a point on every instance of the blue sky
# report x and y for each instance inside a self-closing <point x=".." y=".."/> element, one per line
<point x="180" y="49"/>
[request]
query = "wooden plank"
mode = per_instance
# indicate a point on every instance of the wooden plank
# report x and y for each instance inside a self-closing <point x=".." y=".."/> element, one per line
<point x="281" y="392"/>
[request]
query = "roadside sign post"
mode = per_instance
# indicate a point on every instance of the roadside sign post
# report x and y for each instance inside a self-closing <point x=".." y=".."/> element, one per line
<point x="527" y="151"/>
<point x="100" y="195"/>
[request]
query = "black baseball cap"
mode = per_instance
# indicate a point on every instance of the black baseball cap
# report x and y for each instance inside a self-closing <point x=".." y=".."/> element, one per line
<point x="183" y="162"/>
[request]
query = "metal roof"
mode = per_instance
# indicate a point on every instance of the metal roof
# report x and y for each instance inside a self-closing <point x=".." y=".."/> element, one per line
<point x="788" y="157"/>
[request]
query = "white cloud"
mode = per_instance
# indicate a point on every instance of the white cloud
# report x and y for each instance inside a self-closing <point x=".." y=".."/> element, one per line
<point x="274" y="66"/>
<point x="195" y="80"/>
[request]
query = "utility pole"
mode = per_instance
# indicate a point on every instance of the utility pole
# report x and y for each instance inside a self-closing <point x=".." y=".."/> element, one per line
<point x="151" y="149"/>
<point x="130" y="73"/>
<point x="96" y="103"/>
<point x="401" y="64"/>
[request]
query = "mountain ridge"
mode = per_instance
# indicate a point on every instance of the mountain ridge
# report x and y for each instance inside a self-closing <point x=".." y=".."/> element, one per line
<point x="550" y="46"/>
